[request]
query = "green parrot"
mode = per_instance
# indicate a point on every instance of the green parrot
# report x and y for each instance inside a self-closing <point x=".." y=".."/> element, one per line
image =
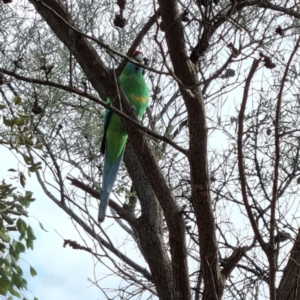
<point x="115" y="136"/>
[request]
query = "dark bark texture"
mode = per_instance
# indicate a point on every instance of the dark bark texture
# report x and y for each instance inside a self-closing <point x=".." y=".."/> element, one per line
<point x="159" y="208"/>
<point x="186" y="72"/>
<point x="103" y="80"/>
<point x="289" y="287"/>
<point x="150" y="227"/>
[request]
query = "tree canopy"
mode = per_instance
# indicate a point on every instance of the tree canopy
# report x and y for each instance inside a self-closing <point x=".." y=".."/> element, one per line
<point x="208" y="193"/>
<point x="12" y="212"/>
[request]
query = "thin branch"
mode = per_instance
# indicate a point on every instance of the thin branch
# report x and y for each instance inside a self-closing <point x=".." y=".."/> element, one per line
<point x="137" y="41"/>
<point x="96" y="194"/>
<point x="235" y="257"/>
<point x="222" y="17"/>
<point x="98" y="101"/>
<point x="240" y="155"/>
<point x="272" y="259"/>
<point x="92" y="233"/>
<point x="107" y="47"/>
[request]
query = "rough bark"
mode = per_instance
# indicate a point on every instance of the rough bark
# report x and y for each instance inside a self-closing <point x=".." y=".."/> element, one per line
<point x="289" y="287"/>
<point x="104" y="82"/>
<point x="172" y="214"/>
<point x="150" y="227"/>
<point x="186" y="72"/>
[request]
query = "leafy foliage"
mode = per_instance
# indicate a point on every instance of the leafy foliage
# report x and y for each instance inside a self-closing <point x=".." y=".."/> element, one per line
<point x="13" y="207"/>
<point x="232" y="179"/>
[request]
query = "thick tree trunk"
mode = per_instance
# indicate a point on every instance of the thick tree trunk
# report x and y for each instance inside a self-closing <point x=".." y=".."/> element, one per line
<point x="186" y="73"/>
<point x="150" y="228"/>
<point x="103" y="80"/>
<point x="289" y="287"/>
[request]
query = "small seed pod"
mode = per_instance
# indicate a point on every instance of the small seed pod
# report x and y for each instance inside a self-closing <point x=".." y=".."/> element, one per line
<point x="119" y="21"/>
<point x="228" y="73"/>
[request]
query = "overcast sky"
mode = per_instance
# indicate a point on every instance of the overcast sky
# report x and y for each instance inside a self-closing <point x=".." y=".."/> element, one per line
<point x="62" y="272"/>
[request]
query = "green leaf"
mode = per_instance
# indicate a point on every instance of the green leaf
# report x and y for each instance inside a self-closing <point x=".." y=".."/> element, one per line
<point x="4" y="236"/>
<point x="32" y="169"/>
<point x="7" y="219"/>
<point x="20" y="121"/>
<point x="15" y="293"/>
<point x="20" y="247"/>
<point x="38" y="146"/>
<point x="22" y="179"/>
<point x="6" y="263"/>
<point x="23" y="115"/>
<point x="13" y="253"/>
<point x="27" y="159"/>
<point x="29" y="244"/>
<point x="22" y="227"/>
<point x="30" y="233"/>
<point x="17" y="100"/>
<point x="24" y="202"/>
<point x="21" y="209"/>
<point x="41" y="225"/>
<point x="14" y="212"/>
<point x="4" y="284"/>
<point x="8" y="122"/>
<point x="16" y="280"/>
<point x="28" y="141"/>
<point x="2" y="247"/>
<point x="28" y="195"/>
<point x="2" y="106"/>
<point x="33" y="272"/>
<point x="19" y="270"/>
<point x="11" y="228"/>
<point x="24" y="283"/>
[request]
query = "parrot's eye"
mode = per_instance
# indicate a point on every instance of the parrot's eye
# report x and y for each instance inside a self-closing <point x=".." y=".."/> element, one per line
<point x="146" y="61"/>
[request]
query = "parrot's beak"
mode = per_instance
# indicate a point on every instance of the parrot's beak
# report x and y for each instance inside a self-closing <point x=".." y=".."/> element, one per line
<point x="139" y="58"/>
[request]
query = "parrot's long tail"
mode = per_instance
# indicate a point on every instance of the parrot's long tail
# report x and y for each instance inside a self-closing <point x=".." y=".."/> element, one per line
<point x="110" y="172"/>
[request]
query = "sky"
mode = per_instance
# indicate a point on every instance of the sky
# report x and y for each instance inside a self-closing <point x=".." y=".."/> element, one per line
<point x="62" y="272"/>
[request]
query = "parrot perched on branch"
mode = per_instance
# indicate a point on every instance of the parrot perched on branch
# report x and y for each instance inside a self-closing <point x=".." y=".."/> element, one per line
<point x="115" y="136"/>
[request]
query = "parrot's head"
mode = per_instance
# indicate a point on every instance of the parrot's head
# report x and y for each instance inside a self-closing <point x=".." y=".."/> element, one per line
<point x="138" y="56"/>
<point x="131" y="67"/>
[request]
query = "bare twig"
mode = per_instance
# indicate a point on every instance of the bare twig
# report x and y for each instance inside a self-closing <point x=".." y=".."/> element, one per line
<point x="272" y="259"/>
<point x="240" y="155"/>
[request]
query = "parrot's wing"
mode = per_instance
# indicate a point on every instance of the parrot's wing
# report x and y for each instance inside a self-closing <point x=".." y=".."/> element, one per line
<point x="110" y="172"/>
<point x="106" y="122"/>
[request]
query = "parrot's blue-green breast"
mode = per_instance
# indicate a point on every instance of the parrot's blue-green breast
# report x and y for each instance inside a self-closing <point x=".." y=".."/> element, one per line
<point x="114" y="138"/>
<point x="137" y="92"/>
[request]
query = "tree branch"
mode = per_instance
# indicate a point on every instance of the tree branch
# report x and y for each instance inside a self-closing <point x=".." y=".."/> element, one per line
<point x="186" y="72"/>
<point x="98" y="101"/>
<point x="272" y="256"/>
<point x="124" y="214"/>
<point x="241" y="158"/>
<point x="92" y="233"/>
<point x="235" y="257"/>
<point x="103" y="80"/>
<point x="289" y="287"/>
